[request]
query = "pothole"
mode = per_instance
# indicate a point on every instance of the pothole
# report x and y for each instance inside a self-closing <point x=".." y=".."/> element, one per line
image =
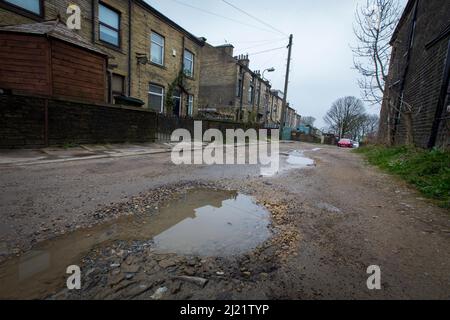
<point x="201" y="222"/>
<point x="298" y="160"/>
<point x="295" y="159"/>
<point x="212" y="223"/>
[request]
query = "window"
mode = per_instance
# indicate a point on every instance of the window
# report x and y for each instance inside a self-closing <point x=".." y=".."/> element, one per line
<point x="190" y="105"/>
<point x="258" y="96"/>
<point x="239" y="88"/>
<point x="117" y="85"/>
<point x="33" y="6"/>
<point x="157" y="49"/>
<point x="188" y="63"/>
<point x="156" y="98"/>
<point x="250" y="92"/>
<point x="109" y="21"/>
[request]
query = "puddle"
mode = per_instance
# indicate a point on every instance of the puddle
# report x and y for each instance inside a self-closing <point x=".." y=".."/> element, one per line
<point x="298" y="160"/>
<point x="201" y="222"/>
<point x="288" y="161"/>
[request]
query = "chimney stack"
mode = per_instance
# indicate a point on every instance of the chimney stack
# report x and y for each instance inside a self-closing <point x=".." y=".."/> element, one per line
<point x="227" y="49"/>
<point x="243" y="59"/>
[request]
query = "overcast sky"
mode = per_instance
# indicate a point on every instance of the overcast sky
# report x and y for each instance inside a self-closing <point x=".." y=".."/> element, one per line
<point x="321" y="70"/>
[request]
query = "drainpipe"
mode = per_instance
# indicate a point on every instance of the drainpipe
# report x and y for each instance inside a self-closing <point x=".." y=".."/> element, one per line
<point x="94" y="5"/>
<point x="129" y="46"/>
<point x="46" y="122"/>
<point x="242" y="94"/>
<point x="182" y="68"/>
<point x="259" y="99"/>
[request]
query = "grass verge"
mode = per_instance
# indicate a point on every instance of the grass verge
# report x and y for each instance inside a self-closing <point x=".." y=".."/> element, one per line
<point x="428" y="171"/>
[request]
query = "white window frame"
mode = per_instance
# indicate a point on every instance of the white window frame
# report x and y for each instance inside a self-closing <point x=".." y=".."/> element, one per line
<point x="191" y="61"/>
<point x="157" y="94"/>
<point x="161" y="46"/>
<point x="190" y="105"/>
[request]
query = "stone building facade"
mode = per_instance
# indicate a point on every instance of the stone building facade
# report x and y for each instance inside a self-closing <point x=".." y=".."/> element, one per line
<point x="417" y="89"/>
<point x="229" y="89"/>
<point x="151" y="57"/>
<point x="275" y="108"/>
<point x="291" y="117"/>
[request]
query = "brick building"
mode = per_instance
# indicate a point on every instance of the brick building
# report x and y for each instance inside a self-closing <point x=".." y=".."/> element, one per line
<point x="229" y="88"/>
<point x="418" y="78"/>
<point x="148" y="52"/>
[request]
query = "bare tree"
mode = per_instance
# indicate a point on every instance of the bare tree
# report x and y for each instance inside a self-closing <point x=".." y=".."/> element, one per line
<point x="366" y="128"/>
<point x="374" y="26"/>
<point x="371" y="126"/>
<point x="345" y="115"/>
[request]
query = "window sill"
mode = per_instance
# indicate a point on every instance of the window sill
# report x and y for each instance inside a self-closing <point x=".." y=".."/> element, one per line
<point x="154" y="64"/>
<point x="109" y="46"/>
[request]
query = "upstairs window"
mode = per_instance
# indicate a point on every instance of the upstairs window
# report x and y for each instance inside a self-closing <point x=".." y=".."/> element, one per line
<point x="251" y="91"/>
<point x="109" y="21"/>
<point x="188" y="63"/>
<point x="239" y="88"/>
<point x="33" y="6"/>
<point x="157" y="49"/>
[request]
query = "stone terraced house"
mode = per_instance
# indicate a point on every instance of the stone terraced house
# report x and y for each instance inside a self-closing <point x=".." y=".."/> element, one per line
<point x="150" y="56"/>
<point x="229" y="89"/>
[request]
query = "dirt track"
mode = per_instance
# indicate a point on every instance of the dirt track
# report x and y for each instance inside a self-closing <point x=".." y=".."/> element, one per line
<point x="333" y="221"/>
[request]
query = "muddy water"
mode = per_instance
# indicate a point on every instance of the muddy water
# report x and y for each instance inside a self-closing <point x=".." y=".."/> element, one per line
<point x="200" y="222"/>
<point x="295" y="159"/>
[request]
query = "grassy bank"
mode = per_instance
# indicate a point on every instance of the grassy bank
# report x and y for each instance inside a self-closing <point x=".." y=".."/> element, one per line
<point x="428" y="171"/>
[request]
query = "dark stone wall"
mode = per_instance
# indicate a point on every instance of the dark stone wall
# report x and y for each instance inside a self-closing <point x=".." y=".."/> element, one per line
<point x="424" y="71"/>
<point x="22" y="123"/>
<point x="23" y="119"/>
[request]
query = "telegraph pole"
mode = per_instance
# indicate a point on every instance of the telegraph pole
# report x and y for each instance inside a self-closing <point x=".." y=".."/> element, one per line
<point x="286" y="85"/>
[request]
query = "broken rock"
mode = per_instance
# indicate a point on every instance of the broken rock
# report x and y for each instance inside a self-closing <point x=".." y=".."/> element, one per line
<point x="159" y="293"/>
<point x="201" y="282"/>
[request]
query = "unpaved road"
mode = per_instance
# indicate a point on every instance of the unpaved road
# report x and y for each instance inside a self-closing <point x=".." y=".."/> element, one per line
<point x="332" y="222"/>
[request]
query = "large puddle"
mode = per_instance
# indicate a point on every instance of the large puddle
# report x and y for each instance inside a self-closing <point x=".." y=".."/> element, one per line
<point x="201" y="222"/>
<point x="295" y="159"/>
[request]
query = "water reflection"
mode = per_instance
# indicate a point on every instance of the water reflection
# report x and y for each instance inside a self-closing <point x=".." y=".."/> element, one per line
<point x="202" y="222"/>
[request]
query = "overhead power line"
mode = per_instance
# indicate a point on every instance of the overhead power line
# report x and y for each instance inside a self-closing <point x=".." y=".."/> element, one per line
<point x="264" y="44"/>
<point x="255" y="18"/>
<point x="265" y="51"/>
<point x="221" y="16"/>
<point x="259" y="41"/>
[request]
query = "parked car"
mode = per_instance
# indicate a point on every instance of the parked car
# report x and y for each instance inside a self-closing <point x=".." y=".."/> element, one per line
<point x="355" y="144"/>
<point x="345" y="143"/>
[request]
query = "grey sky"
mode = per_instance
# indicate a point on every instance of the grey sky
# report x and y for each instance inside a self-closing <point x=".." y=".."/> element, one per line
<point x="322" y="59"/>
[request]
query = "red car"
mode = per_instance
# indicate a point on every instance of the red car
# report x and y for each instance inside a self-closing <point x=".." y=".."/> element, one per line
<point x="345" y="143"/>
